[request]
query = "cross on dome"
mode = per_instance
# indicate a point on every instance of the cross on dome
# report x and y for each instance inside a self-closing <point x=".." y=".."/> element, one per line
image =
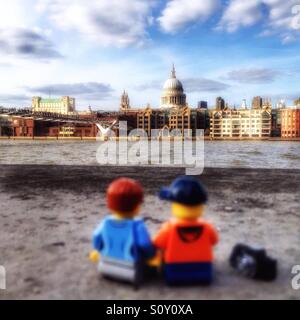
<point x="173" y="72"/>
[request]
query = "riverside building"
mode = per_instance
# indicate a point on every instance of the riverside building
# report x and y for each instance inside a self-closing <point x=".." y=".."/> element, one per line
<point x="241" y="123"/>
<point x="290" y="122"/>
<point x="63" y="105"/>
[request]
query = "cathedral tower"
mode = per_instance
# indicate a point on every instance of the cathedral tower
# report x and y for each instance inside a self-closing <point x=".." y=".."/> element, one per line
<point x="125" y="102"/>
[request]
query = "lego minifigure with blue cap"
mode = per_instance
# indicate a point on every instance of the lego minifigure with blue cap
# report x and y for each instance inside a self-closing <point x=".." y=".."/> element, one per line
<point x="186" y="241"/>
<point x="121" y="242"/>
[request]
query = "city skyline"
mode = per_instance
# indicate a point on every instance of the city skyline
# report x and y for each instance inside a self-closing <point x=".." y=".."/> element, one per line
<point x="220" y="48"/>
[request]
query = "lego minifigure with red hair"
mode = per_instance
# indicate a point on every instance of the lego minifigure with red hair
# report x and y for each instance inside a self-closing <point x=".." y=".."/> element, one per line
<point x="121" y="242"/>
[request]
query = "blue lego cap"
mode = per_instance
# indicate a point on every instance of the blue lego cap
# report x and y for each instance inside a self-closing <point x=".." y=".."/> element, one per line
<point x="185" y="190"/>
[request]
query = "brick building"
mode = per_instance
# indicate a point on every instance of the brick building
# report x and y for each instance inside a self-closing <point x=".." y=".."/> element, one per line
<point x="290" y="122"/>
<point x="23" y="126"/>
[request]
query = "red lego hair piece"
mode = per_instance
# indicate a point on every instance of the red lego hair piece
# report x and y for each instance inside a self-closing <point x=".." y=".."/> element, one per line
<point x="124" y="195"/>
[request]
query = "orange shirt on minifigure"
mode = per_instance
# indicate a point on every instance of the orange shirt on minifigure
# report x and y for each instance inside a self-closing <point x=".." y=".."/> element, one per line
<point x="181" y="240"/>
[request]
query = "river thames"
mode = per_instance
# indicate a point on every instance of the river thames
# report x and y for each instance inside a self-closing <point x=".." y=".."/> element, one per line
<point x="217" y="154"/>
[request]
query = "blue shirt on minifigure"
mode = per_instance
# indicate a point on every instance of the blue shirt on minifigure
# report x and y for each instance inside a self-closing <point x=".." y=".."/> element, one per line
<point x="123" y="239"/>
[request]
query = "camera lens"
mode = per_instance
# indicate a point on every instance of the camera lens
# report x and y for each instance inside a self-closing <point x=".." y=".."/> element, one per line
<point x="246" y="265"/>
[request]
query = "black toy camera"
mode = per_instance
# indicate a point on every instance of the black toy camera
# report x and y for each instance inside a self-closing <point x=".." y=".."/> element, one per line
<point x="253" y="262"/>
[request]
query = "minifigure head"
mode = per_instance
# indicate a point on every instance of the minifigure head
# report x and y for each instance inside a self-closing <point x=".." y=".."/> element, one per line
<point x="124" y="197"/>
<point x="188" y="197"/>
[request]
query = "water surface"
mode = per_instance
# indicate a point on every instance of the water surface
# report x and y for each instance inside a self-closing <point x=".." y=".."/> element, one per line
<point x="221" y="154"/>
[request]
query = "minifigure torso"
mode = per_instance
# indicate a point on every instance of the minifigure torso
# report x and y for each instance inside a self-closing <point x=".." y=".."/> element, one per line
<point x="123" y="244"/>
<point x="185" y="241"/>
<point x="123" y="239"/>
<point x="187" y="247"/>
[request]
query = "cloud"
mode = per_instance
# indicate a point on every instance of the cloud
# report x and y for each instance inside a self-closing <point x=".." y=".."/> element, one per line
<point x="15" y="14"/>
<point x="89" y="90"/>
<point x="203" y="84"/>
<point x="27" y="43"/>
<point x="287" y="38"/>
<point x="5" y="65"/>
<point x="107" y="22"/>
<point x="281" y="13"/>
<point x="14" y="99"/>
<point x="283" y="96"/>
<point x="179" y="13"/>
<point x="153" y="85"/>
<point x="277" y="17"/>
<point x="190" y="85"/>
<point x="241" y="13"/>
<point x="259" y="75"/>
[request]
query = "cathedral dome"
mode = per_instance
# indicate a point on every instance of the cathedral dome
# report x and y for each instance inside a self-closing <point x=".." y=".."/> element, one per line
<point x="173" y="93"/>
<point x="173" y="84"/>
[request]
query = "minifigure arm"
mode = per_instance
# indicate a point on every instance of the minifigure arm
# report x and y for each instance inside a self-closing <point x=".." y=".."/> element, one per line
<point x="214" y="236"/>
<point x="144" y="241"/>
<point x="161" y="239"/>
<point x="97" y="238"/>
<point x="97" y="244"/>
<point x="160" y="242"/>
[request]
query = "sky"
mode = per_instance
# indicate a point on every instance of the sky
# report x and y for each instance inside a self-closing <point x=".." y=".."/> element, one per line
<point x="93" y="50"/>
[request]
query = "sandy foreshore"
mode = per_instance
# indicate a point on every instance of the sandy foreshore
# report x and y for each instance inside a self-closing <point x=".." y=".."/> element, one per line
<point x="49" y="212"/>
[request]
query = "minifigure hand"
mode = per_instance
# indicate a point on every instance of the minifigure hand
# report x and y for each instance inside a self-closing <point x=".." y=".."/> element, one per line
<point x="94" y="256"/>
<point x="155" y="261"/>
